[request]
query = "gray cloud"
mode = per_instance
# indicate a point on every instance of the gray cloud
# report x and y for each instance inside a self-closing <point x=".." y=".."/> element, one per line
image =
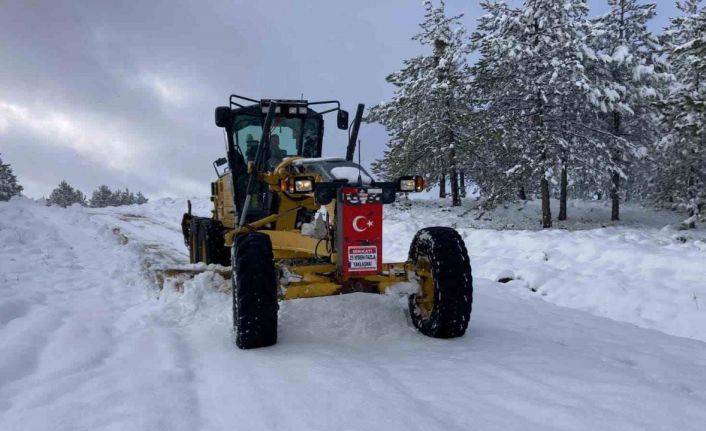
<point x="123" y="92"/>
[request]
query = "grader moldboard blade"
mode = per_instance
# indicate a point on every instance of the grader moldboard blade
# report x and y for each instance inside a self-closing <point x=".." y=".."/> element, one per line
<point x="174" y="277"/>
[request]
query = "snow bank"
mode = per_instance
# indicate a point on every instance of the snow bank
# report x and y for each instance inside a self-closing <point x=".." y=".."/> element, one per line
<point x="651" y="277"/>
<point x="79" y="345"/>
<point x="645" y="278"/>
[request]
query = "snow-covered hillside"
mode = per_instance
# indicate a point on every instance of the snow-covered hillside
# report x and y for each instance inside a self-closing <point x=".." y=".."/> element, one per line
<point x="87" y="340"/>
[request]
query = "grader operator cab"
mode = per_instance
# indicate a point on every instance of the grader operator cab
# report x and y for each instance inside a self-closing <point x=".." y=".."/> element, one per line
<point x="294" y="225"/>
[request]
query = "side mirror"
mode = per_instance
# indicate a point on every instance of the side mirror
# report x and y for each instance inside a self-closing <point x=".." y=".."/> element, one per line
<point x="342" y="119"/>
<point x="411" y="184"/>
<point x="219" y="162"/>
<point x="223" y="116"/>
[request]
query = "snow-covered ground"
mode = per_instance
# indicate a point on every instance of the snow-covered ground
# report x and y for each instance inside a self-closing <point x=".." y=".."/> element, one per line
<point x="642" y="270"/>
<point x="87" y="340"/>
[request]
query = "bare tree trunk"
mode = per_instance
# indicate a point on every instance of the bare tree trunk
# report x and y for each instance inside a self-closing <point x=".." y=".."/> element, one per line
<point x="546" y="208"/>
<point x="563" y="193"/>
<point x="442" y="186"/>
<point x="691" y="194"/>
<point x="455" y="193"/>
<point x="539" y="123"/>
<point x="522" y="194"/>
<point x="463" y="184"/>
<point x="615" y="187"/>
<point x="615" y="196"/>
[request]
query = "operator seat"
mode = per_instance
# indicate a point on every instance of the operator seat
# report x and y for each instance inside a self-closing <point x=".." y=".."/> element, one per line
<point x="276" y="153"/>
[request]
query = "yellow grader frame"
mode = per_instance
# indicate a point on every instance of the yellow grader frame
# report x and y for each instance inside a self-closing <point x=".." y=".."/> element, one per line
<point x="294" y="225"/>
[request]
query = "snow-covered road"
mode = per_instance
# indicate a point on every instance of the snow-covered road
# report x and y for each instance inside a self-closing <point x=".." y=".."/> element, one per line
<point x="87" y="342"/>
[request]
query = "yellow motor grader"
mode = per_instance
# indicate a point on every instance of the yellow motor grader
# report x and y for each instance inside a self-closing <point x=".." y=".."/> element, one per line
<point x="295" y="225"/>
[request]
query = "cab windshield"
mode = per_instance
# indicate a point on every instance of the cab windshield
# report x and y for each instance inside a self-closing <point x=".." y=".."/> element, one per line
<point x="289" y="137"/>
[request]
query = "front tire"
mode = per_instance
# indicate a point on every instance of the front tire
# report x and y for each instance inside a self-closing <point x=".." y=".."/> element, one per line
<point x="442" y="308"/>
<point x="254" y="291"/>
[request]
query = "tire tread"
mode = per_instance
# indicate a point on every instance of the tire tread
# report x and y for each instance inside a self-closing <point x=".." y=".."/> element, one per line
<point x="453" y="282"/>
<point x="255" y="304"/>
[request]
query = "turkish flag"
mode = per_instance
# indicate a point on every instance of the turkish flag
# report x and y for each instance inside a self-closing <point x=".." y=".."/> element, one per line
<point x="361" y="221"/>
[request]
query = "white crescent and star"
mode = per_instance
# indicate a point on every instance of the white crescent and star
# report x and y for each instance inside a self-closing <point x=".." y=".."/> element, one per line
<point x="367" y="224"/>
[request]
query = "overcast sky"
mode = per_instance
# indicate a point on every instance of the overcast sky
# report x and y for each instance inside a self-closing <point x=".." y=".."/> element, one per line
<point x="123" y="92"/>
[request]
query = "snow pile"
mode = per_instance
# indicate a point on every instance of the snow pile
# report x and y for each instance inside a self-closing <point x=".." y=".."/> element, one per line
<point x="202" y="298"/>
<point x="645" y="278"/>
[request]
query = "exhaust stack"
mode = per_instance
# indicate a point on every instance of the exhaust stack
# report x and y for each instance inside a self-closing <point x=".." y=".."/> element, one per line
<point x="350" y="151"/>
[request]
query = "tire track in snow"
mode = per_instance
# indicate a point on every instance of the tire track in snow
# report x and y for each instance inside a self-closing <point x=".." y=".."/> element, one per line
<point x="23" y="341"/>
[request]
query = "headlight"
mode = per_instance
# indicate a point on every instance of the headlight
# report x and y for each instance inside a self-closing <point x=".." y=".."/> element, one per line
<point x="412" y="184"/>
<point x="265" y="108"/>
<point x="303" y="185"/>
<point x="297" y="184"/>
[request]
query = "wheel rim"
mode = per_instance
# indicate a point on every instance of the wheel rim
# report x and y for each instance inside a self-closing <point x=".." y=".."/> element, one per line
<point x="425" y="298"/>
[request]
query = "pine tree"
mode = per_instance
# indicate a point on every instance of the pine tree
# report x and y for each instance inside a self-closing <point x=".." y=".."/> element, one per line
<point x="104" y="197"/>
<point x="9" y="186"/>
<point x="101" y="197"/>
<point x="122" y="197"/>
<point x="626" y="65"/>
<point x="429" y="116"/>
<point x="141" y="199"/>
<point x="65" y="195"/>
<point x="538" y="98"/>
<point x="682" y="151"/>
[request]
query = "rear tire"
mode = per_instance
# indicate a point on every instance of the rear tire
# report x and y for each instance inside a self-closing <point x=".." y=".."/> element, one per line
<point x="212" y="246"/>
<point x="442" y="309"/>
<point x="254" y="291"/>
<point x="195" y="239"/>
